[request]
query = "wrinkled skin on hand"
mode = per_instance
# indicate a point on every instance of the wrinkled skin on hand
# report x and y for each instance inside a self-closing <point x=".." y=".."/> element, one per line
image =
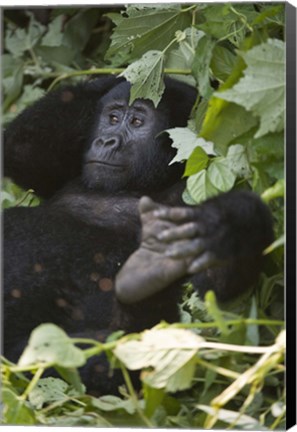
<point x="171" y="247"/>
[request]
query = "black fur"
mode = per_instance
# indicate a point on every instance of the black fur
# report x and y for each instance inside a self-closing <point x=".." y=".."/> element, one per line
<point x="61" y="258"/>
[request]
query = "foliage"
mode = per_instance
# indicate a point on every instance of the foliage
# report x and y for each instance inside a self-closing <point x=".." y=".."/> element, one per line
<point x="227" y="367"/>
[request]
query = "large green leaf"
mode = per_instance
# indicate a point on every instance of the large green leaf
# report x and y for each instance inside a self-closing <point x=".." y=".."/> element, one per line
<point x="185" y="141"/>
<point x="222" y="62"/>
<point x="237" y="161"/>
<point x="20" y="40"/>
<point x="222" y="21"/>
<point x="234" y="418"/>
<point x="196" y="162"/>
<point x="79" y="28"/>
<point x="50" y="345"/>
<point x="200" y="187"/>
<point x="220" y="175"/>
<point x="48" y="390"/>
<point x="262" y="89"/>
<point x="143" y="29"/>
<point x="201" y="63"/>
<point x="146" y="77"/>
<point x="182" y="57"/>
<point x="230" y="122"/>
<point x="16" y="411"/>
<point x="114" y="403"/>
<point x="170" y="352"/>
<point x="54" y="35"/>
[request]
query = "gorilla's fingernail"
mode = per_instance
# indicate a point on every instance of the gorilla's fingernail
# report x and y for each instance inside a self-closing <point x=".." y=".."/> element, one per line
<point x="162" y="235"/>
<point x="172" y="253"/>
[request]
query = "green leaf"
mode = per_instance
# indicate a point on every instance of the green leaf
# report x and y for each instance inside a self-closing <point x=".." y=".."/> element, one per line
<point x="201" y="63"/>
<point x="16" y="411"/>
<point x="275" y="191"/>
<point x="220" y="175"/>
<point x="189" y="43"/>
<point x="200" y="187"/>
<point x="30" y="95"/>
<point x="229" y="123"/>
<point x="222" y="23"/>
<point x="222" y="62"/>
<point x="146" y="28"/>
<point x="153" y="399"/>
<point x="48" y="390"/>
<point x="146" y="77"/>
<point x="50" y="345"/>
<point x="237" y="161"/>
<point x="13" y="86"/>
<point x="233" y="418"/>
<point x="16" y="42"/>
<point x="71" y="375"/>
<point x="269" y="12"/>
<point x="185" y="141"/>
<point x="79" y="28"/>
<point x="196" y="162"/>
<point x="182" y="57"/>
<point x="20" y="40"/>
<point x="215" y="312"/>
<point x="54" y="35"/>
<point x="58" y="56"/>
<point x="187" y="198"/>
<point x="170" y="352"/>
<point x="262" y="89"/>
<point x="225" y="121"/>
<point x="252" y="331"/>
<point x="276" y="244"/>
<point x="113" y="403"/>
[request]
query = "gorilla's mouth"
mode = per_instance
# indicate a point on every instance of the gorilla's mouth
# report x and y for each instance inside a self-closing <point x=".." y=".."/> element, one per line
<point x="104" y="163"/>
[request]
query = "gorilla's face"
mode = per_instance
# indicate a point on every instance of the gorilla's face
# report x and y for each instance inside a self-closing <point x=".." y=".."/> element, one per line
<point x="126" y="152"/>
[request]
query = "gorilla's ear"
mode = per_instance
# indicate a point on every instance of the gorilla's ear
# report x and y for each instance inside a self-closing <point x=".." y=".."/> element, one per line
<point x="44" y="145"/>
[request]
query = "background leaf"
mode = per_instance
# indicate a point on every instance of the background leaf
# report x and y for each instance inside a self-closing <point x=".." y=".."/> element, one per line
<point x="201" y="63"/>
<point x="262" y="89"/>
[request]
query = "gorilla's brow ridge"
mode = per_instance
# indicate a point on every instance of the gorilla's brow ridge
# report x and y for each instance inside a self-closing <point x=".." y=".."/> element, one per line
<point x="115" y="105"/>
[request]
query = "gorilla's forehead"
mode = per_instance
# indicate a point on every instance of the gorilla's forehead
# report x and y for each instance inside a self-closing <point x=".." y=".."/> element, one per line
<point x="120" y="95"/>
<point x="119" y="92"/>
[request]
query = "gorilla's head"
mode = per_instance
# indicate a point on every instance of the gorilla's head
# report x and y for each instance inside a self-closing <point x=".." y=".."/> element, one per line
<point x="128" y="149"/>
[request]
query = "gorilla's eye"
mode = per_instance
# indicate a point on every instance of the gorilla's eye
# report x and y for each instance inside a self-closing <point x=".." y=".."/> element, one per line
<point x="113" y="119"/>
<point x="136" y="121"/>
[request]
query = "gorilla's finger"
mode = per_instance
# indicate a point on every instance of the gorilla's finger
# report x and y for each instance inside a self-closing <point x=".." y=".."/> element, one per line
<point x="175" y="214"/>
<point x="205" y="261"/>
<point x="181" y="232"/>
<point x="147" y="205"/>
<point x="185" y="248"/>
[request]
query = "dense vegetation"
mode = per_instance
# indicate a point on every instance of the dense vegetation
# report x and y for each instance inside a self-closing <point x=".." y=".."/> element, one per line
<point x="220" y="366"/>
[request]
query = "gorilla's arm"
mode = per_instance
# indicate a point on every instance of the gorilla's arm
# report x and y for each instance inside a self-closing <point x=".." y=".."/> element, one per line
<point x="219" y="242"/>
<point x="43" y="146"/>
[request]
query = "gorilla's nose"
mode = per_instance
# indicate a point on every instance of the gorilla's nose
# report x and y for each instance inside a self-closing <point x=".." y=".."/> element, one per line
<point x="113" y="142"/>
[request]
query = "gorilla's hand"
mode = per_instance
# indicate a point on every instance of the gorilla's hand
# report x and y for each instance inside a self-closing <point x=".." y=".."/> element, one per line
<point x="171" y="247"/>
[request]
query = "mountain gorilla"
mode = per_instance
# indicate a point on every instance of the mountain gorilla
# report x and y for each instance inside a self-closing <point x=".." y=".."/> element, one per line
<point x="113" y="242"/>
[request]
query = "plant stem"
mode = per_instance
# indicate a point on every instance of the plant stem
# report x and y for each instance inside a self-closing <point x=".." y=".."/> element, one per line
<point x="29" y="368"/>
<point x="32" y="383"/>
<point x="220" y="370"/>
<point x="248" y="321"/>
<point x="134" y="397"/>
<point x="108" y="71"/>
